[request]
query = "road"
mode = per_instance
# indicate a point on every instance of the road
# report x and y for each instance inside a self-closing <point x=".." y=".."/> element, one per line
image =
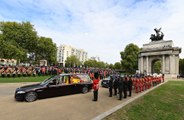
<point x="71" y="107"/>
<point x="9" y="88"/>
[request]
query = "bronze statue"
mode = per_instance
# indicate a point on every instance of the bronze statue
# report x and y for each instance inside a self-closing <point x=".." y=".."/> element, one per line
<point x="159" y="35"/>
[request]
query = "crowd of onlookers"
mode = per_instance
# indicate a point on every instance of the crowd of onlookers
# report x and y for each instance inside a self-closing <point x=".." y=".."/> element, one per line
<point x="18" y="71"/>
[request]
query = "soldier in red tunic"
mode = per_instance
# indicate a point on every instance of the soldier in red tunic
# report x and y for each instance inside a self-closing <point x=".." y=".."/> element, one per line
<point x="136" y="85"/>
<point x="95" y="86"/>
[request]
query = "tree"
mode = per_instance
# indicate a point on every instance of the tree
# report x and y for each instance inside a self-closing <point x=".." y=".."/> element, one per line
<point x="18" y="39"/>
<point x="130" y="58"/>
<point x="157" y="66"/>
<point x="10" y="51"/>
<point x="46" y="49"/>
<point x="95" y="64"/>
<point x="2" y="46"/>
<point x="117" y="66"/>
<point x="100" y="64"/>
<point x="111" y="66"/>
<point x="20" y="34"/>
<point x="72" y="61"/>
<point x="90" y="63"/>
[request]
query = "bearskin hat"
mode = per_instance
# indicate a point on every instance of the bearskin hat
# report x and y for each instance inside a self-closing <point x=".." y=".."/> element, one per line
<point x="96" y="75"/>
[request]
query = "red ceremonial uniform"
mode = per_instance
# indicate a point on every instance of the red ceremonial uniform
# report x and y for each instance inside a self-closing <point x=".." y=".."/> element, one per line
<point x="133" y="83"/>
<point x="95" y="84"/>
<point x="140" y="85"/>
<point x="95" y="88"/>
<point x="137" y="85"/>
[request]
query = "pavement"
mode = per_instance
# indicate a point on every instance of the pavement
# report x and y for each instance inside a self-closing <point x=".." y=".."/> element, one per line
<point x="71" y="107"/>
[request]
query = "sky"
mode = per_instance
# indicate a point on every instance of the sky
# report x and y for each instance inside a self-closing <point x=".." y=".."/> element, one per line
<point x="101" y="27"/>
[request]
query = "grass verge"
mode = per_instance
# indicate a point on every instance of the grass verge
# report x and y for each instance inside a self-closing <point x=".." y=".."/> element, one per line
<point x="23" y="79"/>
<point x="163" y="103"/>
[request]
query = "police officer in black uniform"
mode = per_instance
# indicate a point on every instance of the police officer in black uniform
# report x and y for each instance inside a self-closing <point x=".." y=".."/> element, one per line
<point x="115" y="85"/>
<point x="125" y="86"/>
<point x="120" y="87"/>
<point x="110" y="86"/>
<point x="129" y="85"/>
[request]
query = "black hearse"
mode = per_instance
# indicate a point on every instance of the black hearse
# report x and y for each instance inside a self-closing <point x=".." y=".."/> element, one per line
<point x="63" y="84"/>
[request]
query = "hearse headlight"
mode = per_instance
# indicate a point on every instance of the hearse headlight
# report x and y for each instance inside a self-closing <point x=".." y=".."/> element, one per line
<point x="21" y="92"/>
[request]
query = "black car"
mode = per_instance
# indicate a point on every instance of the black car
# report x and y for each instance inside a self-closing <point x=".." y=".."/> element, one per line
<point x="105" y="82"/>
<point x="63" y="84"/>
<point x="180" y="76"/>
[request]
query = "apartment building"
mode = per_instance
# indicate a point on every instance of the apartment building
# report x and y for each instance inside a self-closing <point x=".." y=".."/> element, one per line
<point x="64" y="51"/>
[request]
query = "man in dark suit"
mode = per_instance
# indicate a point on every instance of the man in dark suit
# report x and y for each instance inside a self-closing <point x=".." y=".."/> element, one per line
<point x="125" y="86"/>
<point x="110" y="86"/>
<point x="115" y="85"/>
<point x="129" y="85"/>
<point x="120" y="87"/>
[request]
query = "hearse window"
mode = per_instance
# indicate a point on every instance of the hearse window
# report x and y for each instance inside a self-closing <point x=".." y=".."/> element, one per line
<point x="55" y="80"/>
<point x="84" y="78"/>
<point x="74" y="79"/>
<point x="66" y="79"/>
<point x="47" y="80"/>
<point x="59" y="81"/>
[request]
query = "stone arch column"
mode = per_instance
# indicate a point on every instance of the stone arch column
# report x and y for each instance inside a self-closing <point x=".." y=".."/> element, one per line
<point x="163" y="63"/>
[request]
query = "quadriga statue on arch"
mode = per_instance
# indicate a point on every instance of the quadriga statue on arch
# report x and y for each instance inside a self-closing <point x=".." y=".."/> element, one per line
<point x="158" y="36"/>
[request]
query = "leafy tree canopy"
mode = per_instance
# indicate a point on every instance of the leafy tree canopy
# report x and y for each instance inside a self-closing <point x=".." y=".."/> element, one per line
<point x="46" y="49"/>
<point x="117" y="66"/>
<point x="95" y="64"/>
<point x="72" y="61"/>
<point x="157" y="67"/>
<point x="130" y="58"/>
<point x="17" y="40"/>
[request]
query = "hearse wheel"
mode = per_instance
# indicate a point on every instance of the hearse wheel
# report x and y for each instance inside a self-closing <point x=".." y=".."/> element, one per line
<point x="84" y="90"/>
<point x="31" y="96"/>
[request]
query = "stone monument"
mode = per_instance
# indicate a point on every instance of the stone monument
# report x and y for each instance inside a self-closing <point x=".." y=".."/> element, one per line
<point x="162" y="50"/>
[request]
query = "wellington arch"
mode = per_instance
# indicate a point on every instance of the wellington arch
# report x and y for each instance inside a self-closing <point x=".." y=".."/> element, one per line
<point x="162" y="50"/>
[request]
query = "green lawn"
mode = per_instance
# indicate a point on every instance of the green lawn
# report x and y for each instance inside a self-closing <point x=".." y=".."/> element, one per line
<point x="23" y="79"/>
<point x="163" y="103"/>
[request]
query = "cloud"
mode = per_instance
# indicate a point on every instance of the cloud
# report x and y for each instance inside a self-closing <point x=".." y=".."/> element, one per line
<point x="102" y="27"/>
